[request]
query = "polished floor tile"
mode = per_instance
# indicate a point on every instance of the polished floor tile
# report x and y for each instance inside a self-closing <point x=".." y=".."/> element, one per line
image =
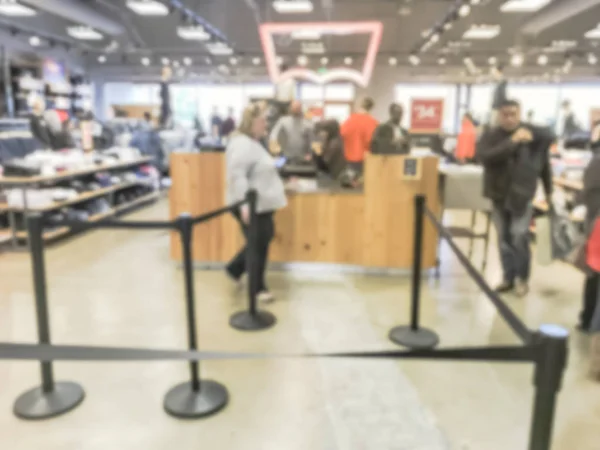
<point x="120" y="288"/>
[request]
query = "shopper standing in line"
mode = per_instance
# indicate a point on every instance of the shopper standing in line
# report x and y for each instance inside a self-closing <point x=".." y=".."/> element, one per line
<point x="228" y="125"/>
<point x="514" y="155"/>
<point x="390" y="137"/>
<point x="357" y="133"/>
<point x="292" y="135"/>
<point x="165" y="97"/>
<point x="249" y="166"/>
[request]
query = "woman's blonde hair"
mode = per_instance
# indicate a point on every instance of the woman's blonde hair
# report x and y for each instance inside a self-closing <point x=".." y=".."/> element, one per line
<point x="251" y="112"/>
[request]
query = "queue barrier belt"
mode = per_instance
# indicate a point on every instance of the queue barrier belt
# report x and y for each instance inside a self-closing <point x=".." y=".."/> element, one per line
<point x="513" y="321"/>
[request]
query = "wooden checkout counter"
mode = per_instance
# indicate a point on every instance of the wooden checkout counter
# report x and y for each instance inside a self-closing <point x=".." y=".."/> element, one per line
<point x="370" y="227"/>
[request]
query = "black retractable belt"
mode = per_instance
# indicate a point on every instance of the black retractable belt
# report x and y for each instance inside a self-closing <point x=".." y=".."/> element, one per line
<point x="503" y="309"/>
<point x="51" y="398"/>
<point x="194" y="398"/>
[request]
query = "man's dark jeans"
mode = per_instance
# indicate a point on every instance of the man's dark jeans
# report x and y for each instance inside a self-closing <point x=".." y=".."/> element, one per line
<point x="513" y="242"/>
<point x="266" y="231"/>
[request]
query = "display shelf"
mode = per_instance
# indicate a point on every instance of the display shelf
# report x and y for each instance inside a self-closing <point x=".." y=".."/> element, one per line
<point x="83" y="197"/>
<point x="138" y="201"/>
<point x="62" y="176"/>
<point x="5" y="236"/>
<point x="574" y="185"/>
<point x="62" y="231"/>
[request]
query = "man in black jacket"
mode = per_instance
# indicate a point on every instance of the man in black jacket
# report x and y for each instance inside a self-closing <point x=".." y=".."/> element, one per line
<point x="514" y="155"/>
<point x="390" y="137"/>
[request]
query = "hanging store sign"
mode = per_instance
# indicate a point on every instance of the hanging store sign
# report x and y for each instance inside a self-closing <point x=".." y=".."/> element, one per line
<point x="426" y="115"/>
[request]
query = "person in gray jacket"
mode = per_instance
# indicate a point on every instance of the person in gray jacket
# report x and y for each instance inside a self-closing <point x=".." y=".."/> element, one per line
<point x="249" y="166"/>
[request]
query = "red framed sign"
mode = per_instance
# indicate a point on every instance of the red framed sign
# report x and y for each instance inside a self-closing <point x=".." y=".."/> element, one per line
<point x="426" y="115"/>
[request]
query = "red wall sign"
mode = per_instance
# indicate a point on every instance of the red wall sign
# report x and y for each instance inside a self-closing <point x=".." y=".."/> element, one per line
<point x="426" y="115"/>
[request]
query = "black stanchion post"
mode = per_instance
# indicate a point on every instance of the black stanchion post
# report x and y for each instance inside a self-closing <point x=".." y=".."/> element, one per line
<point x="413" y="336"/>
<point x="253" y="319"/>
<point x="549" y="369"/>
<point x="51" y="398"/>
<point x="194" y="398"/>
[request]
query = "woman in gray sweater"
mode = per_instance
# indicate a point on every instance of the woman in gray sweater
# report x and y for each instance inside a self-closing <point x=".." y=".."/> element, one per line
<point x="250" y="166"/>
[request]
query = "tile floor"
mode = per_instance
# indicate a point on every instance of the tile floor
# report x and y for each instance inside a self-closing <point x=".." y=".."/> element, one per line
<point x="120" y="288"/>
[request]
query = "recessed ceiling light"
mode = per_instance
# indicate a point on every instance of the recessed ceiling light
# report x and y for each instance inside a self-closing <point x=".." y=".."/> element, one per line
<point x="279" y="60"/>
<point x="306" y="34"/>
<point x="193" y="33"/>
<point x="35" y="41"/>
<point x="15" y="9"/>
<point x="313" y="48"/>
<point x="84" y="33"/>
<point x="302" y="60"/>
<point x="414" y="60"/>
<point x="475" y="2"/>
<point x="523" y="5"/>
<point x="324" y="60"/>
<point x="187" y="61"/>
<point x="563" y="44"/>
<point x="101" y="59"/>
<point x="464" y="10"/>
<point x="256" y="61"/>
<point x="592" y="59"/>
<point x="148" y="7"/>
<point x="165" y="61"/>
<point x="435" y="37"/>
<point x="393" y="61"/>
<point x="292" y="6"/>
<point x="441" y="61"/>
<point x="146" y="61"/>
<point x="347" y="60"/>
<point x="219" y="48"/>
<point x="517" y="59"/>
<point x="233" y="60"/>
<point x="404" y="11"/>
<point x="593" y="33"/>
<point x="482" y="32"/>
<point x="542" y="60"/>
<point x="492" y="60"/>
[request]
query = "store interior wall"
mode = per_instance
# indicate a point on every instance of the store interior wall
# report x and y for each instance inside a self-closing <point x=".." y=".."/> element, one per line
<point x="543" y="100"/>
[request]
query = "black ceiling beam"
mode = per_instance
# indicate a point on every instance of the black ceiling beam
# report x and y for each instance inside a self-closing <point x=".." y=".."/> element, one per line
<point x="184" y="10"/>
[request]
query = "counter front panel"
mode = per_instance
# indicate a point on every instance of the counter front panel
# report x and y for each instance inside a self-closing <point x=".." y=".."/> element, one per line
<point x="372" y="228"/>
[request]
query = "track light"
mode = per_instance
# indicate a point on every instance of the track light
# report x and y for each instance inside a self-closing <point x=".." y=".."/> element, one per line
<point x="542" y="60"/>
<point x="414" y="60"/>
<point x="441" y="61"/>
<point x="464" y="10"/>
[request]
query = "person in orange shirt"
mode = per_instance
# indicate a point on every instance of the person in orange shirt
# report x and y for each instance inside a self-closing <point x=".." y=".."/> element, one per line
<point x="467" y="139"/>
<point x="357" y="132"/>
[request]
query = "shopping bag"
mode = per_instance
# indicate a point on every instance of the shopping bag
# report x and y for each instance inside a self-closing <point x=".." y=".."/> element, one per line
<point x="564" y="236"/>
<point x="556" y="238"/>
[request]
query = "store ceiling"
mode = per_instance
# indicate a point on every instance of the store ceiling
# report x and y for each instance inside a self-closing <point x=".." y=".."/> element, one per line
<point x="405" y="23"/>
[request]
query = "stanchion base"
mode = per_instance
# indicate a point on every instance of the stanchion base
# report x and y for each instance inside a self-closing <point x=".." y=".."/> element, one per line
<point x="414" y="339"/>
<point x="183" y="402"/>
<point x="245" y="321"/>
<point x="36" y="404"/>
